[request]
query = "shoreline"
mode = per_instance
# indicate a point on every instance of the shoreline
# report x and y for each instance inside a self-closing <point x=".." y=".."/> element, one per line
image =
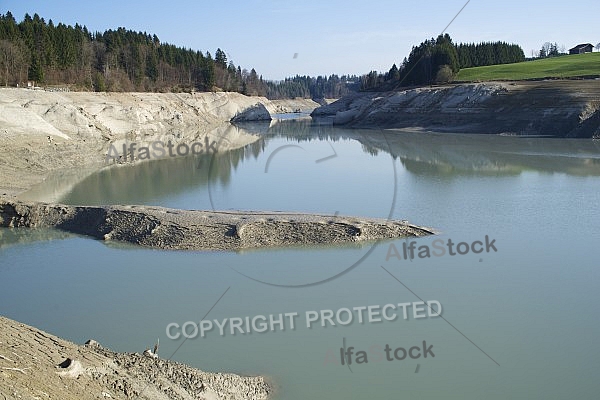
<point x="36" y="364"/>
<point x="49" y="132"/>
<point x="557" y="108"/>
<point x="30" y="155"/>
<point x="45" y="132"/>
<point x="175" y="229"/>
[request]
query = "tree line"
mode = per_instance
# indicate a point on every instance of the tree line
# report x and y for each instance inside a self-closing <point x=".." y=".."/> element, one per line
<point x="125" y="60"/>
<point x="331" y="87"/>
<point x="489" y="53"/>
<point x="114" y="60"/>
<point x="550" y="50"/>
<point x="437" y="60"/>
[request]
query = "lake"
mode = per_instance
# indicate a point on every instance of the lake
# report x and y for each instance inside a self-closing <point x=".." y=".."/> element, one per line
<point x="517" y="319"/>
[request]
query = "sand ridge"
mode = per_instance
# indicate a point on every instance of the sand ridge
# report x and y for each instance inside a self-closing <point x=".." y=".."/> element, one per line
<point x="165" y="228"/>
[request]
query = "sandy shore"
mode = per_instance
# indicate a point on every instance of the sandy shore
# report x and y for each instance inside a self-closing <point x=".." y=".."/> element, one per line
<point x="37" y="365"/>
<point x="166" y="228"/>
<point x="45" y="132"/>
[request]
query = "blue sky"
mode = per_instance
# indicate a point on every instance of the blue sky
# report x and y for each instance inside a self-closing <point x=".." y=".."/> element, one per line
<point x="329" y="36"/>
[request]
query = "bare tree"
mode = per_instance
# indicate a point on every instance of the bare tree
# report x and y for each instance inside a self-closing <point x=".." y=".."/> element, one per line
<point x="546" y="47"/>
<point x="598" y="46"/>
<point x="86" y="58"/>
<point x="12" y="60"/>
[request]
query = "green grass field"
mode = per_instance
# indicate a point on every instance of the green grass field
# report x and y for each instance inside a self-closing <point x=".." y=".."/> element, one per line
<point x="557" y="67"/>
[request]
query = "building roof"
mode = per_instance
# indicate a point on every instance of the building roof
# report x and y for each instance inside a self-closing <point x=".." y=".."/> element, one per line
<point x="579" y="46"/>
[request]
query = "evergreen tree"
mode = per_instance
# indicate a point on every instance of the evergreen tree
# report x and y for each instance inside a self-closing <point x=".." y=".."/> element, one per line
<point x="208" y="72"/>
<point x="36" y="72"/>
<point x="393" y="74"/>
<point x="221" y="59"/>
<point x="121" y="59"/>
<point x="481" y="54"/>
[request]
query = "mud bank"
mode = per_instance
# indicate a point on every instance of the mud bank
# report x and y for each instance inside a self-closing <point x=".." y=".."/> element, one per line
<point x="44" y="132"/>
<point x="165" y="228"/>
<point x="37" y="365"/>
<point x="569" y="109"/>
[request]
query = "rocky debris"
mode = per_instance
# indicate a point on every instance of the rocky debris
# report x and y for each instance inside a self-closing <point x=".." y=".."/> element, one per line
<point x="38" y="365"/>
<point x="258" y="112"/>
<point x="165" y="228"/>
<point x="541" y="108"/>
<point x="70" y="369"/>
<point x="92" y="343"/>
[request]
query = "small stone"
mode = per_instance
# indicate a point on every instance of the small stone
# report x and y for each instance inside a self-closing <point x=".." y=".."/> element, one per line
<point x="92" y="343"/>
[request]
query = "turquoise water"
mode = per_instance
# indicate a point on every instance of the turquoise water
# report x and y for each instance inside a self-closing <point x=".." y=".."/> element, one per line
<point x="518" y="322"/>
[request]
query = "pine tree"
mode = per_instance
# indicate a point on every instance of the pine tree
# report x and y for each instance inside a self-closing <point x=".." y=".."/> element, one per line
<point x="394" y="74"/>
<point x="36" y="72"/>
<point x="221" y="59"/>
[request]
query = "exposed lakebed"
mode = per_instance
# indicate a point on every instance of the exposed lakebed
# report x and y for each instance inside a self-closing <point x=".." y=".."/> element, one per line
<point x="522" y="304"/>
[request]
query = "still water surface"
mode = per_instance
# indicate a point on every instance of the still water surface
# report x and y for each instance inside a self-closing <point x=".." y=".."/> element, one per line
<point x="518" y="323"/>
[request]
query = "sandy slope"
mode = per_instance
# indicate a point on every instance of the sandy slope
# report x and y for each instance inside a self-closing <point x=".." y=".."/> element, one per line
<point x="43" y="131"/>
<point x="30" y="368"/>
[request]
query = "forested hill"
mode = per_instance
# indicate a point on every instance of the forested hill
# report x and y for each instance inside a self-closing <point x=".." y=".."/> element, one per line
<point x="115" y="60"/>
<point x="124" y="60"/>
<point x="439" y="60"/>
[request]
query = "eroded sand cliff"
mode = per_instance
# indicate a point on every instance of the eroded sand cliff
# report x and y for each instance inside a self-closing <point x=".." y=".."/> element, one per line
<point x="42" y="132"/>
<point x="569" y="108"/>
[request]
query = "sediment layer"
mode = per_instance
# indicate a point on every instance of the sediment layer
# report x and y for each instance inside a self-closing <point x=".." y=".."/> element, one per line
<point x="567" y="108"/>
<point x="165" y="228"/>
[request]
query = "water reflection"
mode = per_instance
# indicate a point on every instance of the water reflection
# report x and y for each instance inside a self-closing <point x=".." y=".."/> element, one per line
<point x="429" y="153"/>
<point x="20" y="236"/>
<point x="421" y="153"/>
<point x="505" y="301"/>
<point x="126" y="184"/>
